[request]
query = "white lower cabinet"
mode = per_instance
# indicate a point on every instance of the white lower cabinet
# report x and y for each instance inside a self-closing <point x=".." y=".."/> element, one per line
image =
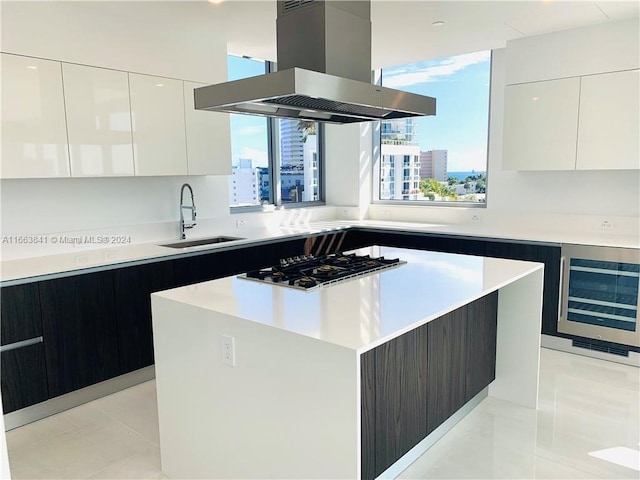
<point x="98" y="120"/>
<point x="208" y="137"/>
<point x="609" y="126"/>
<point x="34" y="131"/>
<point x="157" y="111"/>
<point x="540" y="124"/>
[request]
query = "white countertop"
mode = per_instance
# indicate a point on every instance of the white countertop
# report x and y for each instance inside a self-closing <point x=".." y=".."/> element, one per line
<point x="26" y="268"/>
<point x="95" y="258"/>
<point x="366" y="311"/>
<point x="506" y="232"/>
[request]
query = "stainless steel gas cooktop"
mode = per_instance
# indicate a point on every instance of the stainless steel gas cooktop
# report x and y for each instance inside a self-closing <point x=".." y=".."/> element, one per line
<point x="307" y="272"/>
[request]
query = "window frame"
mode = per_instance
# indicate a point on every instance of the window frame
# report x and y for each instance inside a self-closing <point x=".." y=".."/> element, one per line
<point x="274" y="164"/>
<point x="376" y="163"/>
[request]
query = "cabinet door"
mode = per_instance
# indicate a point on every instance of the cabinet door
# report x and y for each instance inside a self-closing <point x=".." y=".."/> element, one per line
<point x="80" y="331"/>
<point x="481" y="329"/>
<point x="157" y="111"/>
<point x="133" y="287"/>
<point x="540" y="125"/>
<point x="23" y="372"/>
<point x="98" y="120"/>
<point x="609" y="126"/>
<point x="208" y="137"/>
<point x="34" y="133"/>
<point x="446" y="379"/>
<point x="20" y="313"/>
<point x="550" y="256"/>
<point x="24" y="377"/>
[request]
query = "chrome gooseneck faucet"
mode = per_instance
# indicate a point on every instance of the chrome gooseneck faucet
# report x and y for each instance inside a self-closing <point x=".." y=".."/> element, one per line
<point x="190" y="223"/>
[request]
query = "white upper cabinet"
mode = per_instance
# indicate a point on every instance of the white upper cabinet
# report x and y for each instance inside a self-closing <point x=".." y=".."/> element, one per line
<point x="609" y="128"/>
<point x="540" y="124"/>
<point x="98" y="121"/>
<point x="157" y="112"/>
<point x="34" y="133"/>
<point x="208" y="138"/>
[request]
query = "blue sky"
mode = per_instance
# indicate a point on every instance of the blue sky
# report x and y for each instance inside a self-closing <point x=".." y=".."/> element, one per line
<point x="460" y="85"/>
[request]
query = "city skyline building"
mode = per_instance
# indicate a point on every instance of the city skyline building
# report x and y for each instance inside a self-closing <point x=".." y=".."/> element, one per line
<point x="433" y="164"/>
<point x="400" y="157"/>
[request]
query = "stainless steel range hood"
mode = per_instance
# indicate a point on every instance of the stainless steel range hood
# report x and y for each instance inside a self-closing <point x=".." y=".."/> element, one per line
<point x="324" y="61"/>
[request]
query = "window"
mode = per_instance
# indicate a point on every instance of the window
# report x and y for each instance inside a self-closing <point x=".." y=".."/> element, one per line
<point x="267" y="152"/>
<point x="444" y="156"/>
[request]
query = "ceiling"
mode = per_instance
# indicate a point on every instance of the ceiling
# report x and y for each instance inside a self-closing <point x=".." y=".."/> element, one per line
<point x="402" y="30"/>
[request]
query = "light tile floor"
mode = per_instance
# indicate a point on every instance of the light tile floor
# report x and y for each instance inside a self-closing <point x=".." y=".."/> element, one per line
<point x="586" y="406"/>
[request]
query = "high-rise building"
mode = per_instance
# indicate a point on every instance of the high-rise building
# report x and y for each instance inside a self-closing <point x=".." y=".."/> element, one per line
<point x="433" y="164"/>
<point x="299" y="165"/>
<point x="243" y="184"/>
<point x="400" y="157"/>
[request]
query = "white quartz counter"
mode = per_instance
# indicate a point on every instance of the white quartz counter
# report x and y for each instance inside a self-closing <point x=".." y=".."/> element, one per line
<point x="364" y="312"/>
<point x="38" y="266"/>
<point x="88" y="259"/>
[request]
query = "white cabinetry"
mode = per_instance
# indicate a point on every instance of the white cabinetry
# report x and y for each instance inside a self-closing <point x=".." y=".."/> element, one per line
<point x="34" y="133"/>
<point x="540" y="124"/>
<point x="608" y="127"/>
<point x="98" y="121"/>
<point x="208" y="138"/>
<point x="157" y="110"/>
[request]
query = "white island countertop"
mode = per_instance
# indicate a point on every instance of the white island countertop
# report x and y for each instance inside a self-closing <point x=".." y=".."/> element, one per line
<point x="366" y="311"/>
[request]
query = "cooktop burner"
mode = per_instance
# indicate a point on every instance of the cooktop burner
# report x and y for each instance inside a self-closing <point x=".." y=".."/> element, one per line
<point x="307" y="272"/>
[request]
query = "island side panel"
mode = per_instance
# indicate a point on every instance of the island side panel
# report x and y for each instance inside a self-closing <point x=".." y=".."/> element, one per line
<point x="288" y="409"/>
<point x="413" y="383"/>
<point x="518" y="341"/>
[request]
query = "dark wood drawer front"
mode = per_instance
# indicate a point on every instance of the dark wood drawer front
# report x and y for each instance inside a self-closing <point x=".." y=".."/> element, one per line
<point x="20" y="313"/>
<point x="24" y="377"/>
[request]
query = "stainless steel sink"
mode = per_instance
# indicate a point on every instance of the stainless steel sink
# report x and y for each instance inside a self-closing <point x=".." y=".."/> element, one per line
<point x="202" y="241"/>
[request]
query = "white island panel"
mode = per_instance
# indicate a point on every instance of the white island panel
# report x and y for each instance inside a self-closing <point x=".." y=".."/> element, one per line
<point x="288" y="396"/>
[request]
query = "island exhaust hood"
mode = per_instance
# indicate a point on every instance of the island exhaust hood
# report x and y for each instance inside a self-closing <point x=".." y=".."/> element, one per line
<point x="324" y="63"/>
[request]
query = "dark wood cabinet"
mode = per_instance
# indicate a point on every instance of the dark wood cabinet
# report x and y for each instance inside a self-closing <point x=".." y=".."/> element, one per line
<point x="413" y="383"/>
<point x="549" y="255"/>
<point x="80" y="331"/>
<point x="401" y="396"/>
<point x="209" y="266"/>
<point x="24" y="377"/>
<point x="22" y="370"/>
<point x="368" y="414"/>
<point x="481" y="329"/>
<point x="20" y="313"/>
<point x="133" y="287"/>
<point x="446" y="379"/>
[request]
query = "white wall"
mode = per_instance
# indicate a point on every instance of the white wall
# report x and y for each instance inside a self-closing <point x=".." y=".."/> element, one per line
<point x="560" y="199"/>
<point x="33" y="206"/>
<point x="348" y="168"/>
<point x="602" y="192"/>
<point x="132" y="36"/>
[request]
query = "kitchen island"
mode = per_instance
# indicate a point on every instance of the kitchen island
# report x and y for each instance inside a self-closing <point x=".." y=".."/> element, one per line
<point x="255" y="380"/>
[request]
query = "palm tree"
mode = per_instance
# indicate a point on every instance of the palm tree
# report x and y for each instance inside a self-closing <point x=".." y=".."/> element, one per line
<point x="308" y="128"/>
